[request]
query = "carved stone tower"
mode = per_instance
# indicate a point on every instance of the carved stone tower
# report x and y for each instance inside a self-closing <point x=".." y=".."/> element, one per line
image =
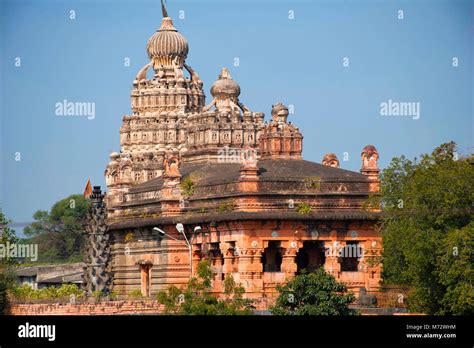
<point x="279" y="138"/>
<point x="97" y="272"/>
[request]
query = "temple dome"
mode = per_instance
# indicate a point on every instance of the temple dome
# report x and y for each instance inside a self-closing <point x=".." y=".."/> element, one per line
<point x="225" y="86"/>
<point x="167" y="45"/>
<point x="369" y="149"/>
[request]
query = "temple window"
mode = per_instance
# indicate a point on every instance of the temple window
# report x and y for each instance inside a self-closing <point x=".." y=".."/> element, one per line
<point x="349" y="259"/>
<point x="271" y="257"/>
<point x="310" y="257"/>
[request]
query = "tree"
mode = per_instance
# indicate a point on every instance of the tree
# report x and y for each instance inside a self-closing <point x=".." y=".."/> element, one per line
<point x="7" y="235"/>
<point x="197" y="299"/>
<point x="316" y="293"/>
<point x="60" y="233"/>
<point x="427" y="229"/>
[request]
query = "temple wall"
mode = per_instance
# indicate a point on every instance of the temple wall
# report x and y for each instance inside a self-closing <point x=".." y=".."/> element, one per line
<point x="240" y="247"/>
<point x="102" y="308"/>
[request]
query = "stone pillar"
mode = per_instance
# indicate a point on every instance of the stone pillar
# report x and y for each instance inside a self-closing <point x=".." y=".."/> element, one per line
<point x="196" y="255"/>
<point x="245" y="257"/>
<point x="218" y="271"/>
<point x="288" y="261"/>
<point x="332" y="265"/>
<point x="245" y="270"/>
<point x="257" y="266"/>
<point x="228" y="254"/>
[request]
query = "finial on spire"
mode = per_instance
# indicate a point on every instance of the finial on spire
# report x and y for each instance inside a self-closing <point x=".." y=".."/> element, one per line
<point x="163" y="9"/>
<point x="225" y="74"/>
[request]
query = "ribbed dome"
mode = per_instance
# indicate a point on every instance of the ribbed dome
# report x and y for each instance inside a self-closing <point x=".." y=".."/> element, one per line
<point x="225" y="86"/>
<point x="167" y="44"/>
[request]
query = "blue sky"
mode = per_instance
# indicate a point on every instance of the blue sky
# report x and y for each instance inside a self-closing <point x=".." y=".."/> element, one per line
<point x="296" y="61"/>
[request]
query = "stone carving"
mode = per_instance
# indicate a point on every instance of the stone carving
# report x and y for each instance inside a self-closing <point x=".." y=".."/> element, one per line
<point x="330" y="159"/>
<point x="280" y="139"/>
<point x="97" y="272"/>
<point x="171" y="164"/>
<point x="370" y="157"/>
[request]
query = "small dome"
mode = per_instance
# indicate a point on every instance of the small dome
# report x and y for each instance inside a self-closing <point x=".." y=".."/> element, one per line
<point x="279" y="108"/>
<point x="329" y="157"/>
<point x="369" y="149"/>
<point x="225" y="86"/>
<point x="167" y="43"/>
<point x="279" y="113"/>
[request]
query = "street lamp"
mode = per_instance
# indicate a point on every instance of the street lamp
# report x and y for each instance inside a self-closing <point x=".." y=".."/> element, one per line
<point x="180" y="229"/>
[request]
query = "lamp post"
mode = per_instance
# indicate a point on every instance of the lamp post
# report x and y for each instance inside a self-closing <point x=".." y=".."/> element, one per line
<point x="187" y="242"/>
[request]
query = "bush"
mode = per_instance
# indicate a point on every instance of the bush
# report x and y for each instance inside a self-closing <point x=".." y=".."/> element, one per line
<point x="187" y="185"/>
<point x="25" y="293"/>
<point x="197" y="299"/>
<point x="135" y="294"/>
<point x="303" y="208"/>
<point x="316" y="293"/>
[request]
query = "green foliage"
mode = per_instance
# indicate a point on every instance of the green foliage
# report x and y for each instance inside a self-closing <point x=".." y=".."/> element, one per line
<point x="313" y="182"/>
<point x="98" y="295"/>
<point x="25" y="293"/>
<point x="113" y="296"/>
<point x="197" y="298"/>
<point x="427" y="206"/>
<point x="303" y="208"/>
<point x="455" y="268"/>
<point x="7" y="235"/>
<point x="316" y="293"/>
<point x="135" y="294"/>
<point x="187" y="185"/>
<point x="226" y="207"/>
<point x="60" y="233"/>
<point x="7" y="276"/>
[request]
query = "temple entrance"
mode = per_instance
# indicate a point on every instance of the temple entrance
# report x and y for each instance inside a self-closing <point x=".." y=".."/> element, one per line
<point x="145" y="279"/>
<point x="311" y="256"/>
<point x="271" y="257"/>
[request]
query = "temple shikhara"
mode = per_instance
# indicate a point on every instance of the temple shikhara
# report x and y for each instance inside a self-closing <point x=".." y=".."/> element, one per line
<point x="216" y="176"/>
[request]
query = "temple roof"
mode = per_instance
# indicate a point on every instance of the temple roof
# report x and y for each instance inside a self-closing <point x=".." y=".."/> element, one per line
<point x="335" y="214"/>
<point x="269" y="170"/>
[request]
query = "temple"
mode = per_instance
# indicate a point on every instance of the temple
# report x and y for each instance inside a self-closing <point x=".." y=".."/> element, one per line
<point x="245" y="197"/>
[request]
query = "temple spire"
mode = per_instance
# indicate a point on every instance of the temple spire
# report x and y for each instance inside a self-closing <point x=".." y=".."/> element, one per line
<point x="163" y="9"/>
